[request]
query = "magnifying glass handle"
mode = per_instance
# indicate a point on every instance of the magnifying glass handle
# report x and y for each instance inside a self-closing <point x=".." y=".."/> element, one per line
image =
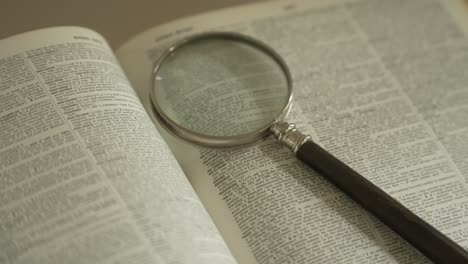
<point x="428" y="240"/>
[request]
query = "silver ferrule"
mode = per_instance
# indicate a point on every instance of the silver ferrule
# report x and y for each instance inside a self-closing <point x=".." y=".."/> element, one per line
<point x="288" y="135"/>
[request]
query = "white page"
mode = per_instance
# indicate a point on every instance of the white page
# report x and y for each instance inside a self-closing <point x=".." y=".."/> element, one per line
<point x="84" y="175"/>
<point x="354" y="98"/>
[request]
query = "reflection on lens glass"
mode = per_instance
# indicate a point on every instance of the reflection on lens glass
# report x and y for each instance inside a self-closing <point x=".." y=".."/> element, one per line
<point x="220" y="87"/>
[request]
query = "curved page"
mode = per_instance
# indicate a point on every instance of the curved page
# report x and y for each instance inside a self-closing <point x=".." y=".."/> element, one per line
<point x="380" y="84"/>
<point x="84" y="175"/>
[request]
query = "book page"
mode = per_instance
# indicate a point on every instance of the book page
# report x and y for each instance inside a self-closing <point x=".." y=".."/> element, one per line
<point x="379" y="84"/>
<point x="84" y="175"/>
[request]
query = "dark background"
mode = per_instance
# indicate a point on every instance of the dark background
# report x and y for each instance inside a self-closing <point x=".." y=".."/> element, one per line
<point x="117" y="20"/>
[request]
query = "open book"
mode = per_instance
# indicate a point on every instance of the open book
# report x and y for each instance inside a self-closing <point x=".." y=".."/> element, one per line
<point x="87" y="175"/>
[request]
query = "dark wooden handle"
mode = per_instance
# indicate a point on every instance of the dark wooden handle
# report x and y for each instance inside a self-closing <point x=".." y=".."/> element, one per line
<point x="428" y="240"/>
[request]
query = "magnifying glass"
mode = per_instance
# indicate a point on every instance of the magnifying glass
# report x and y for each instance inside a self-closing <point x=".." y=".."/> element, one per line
<point x="228" y="90"/>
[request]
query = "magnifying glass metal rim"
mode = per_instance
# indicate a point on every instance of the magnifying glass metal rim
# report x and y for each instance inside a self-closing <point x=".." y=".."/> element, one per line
<point x="220" y="141"/>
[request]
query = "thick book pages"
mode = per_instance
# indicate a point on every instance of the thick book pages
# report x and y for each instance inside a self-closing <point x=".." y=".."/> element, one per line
<point x="380" y="84"/>
<point x="84" y="175"/>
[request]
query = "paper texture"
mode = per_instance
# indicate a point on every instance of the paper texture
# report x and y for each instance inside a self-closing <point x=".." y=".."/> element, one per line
<point x="380" y="84"/>
<point x="84" y="175"/>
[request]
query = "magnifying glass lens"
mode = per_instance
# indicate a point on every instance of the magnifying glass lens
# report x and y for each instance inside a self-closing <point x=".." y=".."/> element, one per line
<point x="220" y="87"/>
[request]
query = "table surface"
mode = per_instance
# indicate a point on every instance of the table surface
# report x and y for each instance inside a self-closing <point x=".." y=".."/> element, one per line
<point x="117" y="20"/>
